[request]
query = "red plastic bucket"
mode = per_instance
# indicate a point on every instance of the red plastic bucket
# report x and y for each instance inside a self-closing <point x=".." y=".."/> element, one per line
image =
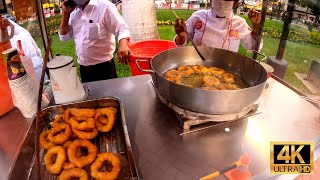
<point x="146" y="50"/>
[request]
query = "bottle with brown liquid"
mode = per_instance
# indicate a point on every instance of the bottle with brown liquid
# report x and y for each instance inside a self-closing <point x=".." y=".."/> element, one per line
<point x="6" y="103"/>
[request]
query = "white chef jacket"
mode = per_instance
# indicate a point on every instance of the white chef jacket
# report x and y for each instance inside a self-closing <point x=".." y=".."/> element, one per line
<point x="224" y="33"/>
<point x="95" y="42"/>
<point x="29" y="46"/>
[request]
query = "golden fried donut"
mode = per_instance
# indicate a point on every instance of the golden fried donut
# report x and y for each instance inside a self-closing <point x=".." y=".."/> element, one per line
<point x="208" y="88"/>
<point x="43" y="141"/>
<point x="60" y="134"/>
<point x="221" y="87"/>
<point x="85" y="134"/>
<point x="174" y="80"/>
<point x="83" y="160"/>
<point x="82" y="112"/>
<point x="185" y="70"/>
<point x="66" y="145"/>
<point x="82" y="123"/>
<point x="67" y="115"/>
<point x="228" y="78"/>
<point x="216" y="71"/>
<point x="105" y="115"/>
<point x="230" y="87"/>
<point x="57" y="121"/>
<point x="200" y="69"/>
<point x="68" y="164"/>
<point x="210" y="81"/>
<point x="104" y="127"/>
<point x="111" y="174"/>
<point x="55" y="166"/>
<point x="73" y="173"/>
<point x="172" y="74"/>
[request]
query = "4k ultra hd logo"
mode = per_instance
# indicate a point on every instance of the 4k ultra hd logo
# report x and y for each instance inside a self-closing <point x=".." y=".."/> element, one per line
<point x="291" y="157"/>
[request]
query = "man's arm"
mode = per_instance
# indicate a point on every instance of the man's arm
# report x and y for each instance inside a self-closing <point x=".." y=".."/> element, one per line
<point x="64" y="30"/>
<point x="249" y="35"/>
<point x="119" y="28"/>
<point x="183" y="29"/>
<point x="64" y="25"/>
<point x="255" y="18"/>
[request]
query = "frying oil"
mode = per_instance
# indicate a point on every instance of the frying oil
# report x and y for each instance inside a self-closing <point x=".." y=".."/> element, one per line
<point x="195" y="80"/>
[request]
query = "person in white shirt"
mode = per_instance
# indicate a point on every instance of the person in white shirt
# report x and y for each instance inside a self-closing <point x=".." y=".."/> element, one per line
<point x="218" y="27"/>
<point x="29" y="47"/>
<point x="93" y="25"/>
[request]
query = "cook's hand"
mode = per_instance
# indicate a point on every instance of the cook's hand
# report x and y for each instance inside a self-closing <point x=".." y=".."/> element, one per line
<point x="123" y="51"/>
<point x="180" y="27"/>
<point x="67" y="8"/>
<point x="255" y="17"/>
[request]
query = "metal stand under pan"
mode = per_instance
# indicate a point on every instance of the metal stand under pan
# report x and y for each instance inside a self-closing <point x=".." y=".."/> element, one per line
<point x="190" y="121"/>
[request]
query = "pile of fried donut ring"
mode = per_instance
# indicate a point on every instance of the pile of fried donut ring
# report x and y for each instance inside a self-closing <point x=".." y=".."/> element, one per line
<point x="69" y="148"/>
<point x="213" y="78"/>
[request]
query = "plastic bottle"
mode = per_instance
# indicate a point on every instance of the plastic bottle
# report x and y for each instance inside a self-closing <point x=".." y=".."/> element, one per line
<point x="24" y="94"/>
<point x="6" y="103"/>
<point x="28" y="65"/>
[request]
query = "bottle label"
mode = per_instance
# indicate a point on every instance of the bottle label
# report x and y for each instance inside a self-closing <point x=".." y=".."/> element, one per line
<point x="14" y="65"/>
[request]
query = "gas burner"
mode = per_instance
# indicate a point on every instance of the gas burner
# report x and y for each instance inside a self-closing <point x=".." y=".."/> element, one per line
<point x="190" y="121"/>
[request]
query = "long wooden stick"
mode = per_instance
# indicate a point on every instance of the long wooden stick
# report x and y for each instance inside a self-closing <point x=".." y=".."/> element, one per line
<point x="175" y="14"/>
<point x="222" y="171"/>
<point x="37" y="148"/>
<point x="195" y="47"/>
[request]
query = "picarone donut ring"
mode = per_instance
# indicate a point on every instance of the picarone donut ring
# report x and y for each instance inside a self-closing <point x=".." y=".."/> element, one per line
<point x="83" y="160"/>
<point x="73" y="173"/>
<point x="57" y="137"/>
<point x="96" y="165"/>
<point x="82" y="123"/>
<point x="55" y="167"/>
<point x="44" y="142"/>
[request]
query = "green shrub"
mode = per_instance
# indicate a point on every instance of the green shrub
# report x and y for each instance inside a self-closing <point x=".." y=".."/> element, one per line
<point x="52" y="24"/>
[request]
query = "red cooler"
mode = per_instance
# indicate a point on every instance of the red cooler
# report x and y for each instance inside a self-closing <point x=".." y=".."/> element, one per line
<point x="147" y="50"/>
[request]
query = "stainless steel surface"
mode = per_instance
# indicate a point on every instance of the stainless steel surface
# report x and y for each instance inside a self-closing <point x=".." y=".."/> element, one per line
<point x="266" y="173"/>
<point x="162" y="154"/>
<point x="190" y="121"/>
<point x="116" y="141"/>
<point x="13" y="128"/>
<point x="204" y="101"/>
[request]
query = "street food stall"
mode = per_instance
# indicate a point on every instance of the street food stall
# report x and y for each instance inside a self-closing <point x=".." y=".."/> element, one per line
<point x="159" y="125"/>
<point x="162" y="139"/>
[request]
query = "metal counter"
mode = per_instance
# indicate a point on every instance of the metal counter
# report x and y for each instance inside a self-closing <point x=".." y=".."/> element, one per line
<point x="160" y="151"/>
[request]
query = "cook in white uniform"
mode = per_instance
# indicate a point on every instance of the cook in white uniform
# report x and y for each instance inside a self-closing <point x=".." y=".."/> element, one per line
<point x="93" y="25"/>
<point x="219" y="27"/>
<point x="29" y="47"/>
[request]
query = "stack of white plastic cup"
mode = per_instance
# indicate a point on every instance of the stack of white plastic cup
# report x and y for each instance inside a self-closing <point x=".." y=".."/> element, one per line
<point x="28" y="66"/>
<point x="24" y="95"/>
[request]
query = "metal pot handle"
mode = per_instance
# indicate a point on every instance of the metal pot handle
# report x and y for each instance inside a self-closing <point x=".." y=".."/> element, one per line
<point x="143" y="70"/>
<point x="254" y="51"/>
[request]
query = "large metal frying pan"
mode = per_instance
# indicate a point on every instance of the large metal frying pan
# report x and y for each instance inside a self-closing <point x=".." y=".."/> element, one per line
<point x="204" y="101"/>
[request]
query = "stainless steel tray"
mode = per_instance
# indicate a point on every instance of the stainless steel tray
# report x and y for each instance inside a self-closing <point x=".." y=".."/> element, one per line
<point x="116" y="141"/>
